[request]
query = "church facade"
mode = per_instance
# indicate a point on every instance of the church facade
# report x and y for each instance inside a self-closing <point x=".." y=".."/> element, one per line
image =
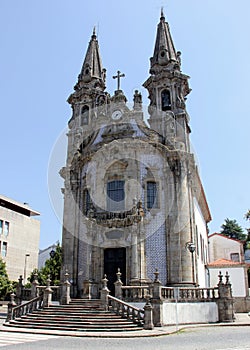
<point x="133" y="198"/>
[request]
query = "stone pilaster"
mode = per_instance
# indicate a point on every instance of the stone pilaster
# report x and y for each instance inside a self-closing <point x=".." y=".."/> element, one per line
<point x="225" y="302"/>
<point x="148" y="316"/>
<point x="157" y="302"/>
<point x="105" y="292"/>
<point x="118" y="285"/>
<point x="47" y="294"/>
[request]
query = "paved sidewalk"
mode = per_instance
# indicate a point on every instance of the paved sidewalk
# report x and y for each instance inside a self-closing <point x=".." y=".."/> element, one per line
<point x="241" y="320"/>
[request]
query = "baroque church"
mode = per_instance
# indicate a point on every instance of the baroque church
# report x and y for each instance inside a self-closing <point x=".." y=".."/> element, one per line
<point x="133" y="198"/>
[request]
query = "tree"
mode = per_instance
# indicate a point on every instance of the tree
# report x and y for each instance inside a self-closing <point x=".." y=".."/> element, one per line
<point x="247" y="217"/>
<point x="233" y="230"/>
<point x="5" y="284"/>
<point x="52" y="267"/>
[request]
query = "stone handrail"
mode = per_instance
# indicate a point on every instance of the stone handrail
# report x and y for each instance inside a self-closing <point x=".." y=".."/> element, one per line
<point x="189" y="294"/>
<point x="136" y="293"/>
<point x="126" y="310"/>
<point x="26" y="308"/>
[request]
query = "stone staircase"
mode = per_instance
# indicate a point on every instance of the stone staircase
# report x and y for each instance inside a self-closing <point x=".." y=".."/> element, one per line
<point x="80" y="315"/>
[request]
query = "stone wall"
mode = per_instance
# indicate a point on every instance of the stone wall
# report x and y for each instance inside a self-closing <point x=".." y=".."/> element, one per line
<point x="188" y="313"/>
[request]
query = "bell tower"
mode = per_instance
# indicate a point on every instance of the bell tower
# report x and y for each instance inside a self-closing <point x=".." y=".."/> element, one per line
<point x="89" y="96"/>
<point x="87" y="101"/>
<point x="168" y="88"/>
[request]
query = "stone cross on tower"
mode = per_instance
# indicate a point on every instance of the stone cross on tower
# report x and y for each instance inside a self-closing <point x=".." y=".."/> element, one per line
<point x="118" y="77"/>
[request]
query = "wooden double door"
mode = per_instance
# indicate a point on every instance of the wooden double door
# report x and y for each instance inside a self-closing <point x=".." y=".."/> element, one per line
<point x="114" y="258"/>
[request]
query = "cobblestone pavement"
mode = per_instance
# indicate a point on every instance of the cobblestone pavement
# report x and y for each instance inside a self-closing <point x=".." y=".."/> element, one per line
<point x="204" y="338"/>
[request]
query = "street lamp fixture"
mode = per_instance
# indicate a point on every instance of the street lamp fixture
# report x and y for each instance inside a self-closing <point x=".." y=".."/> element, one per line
<point x="52" y="253"/>
<point x="25" y="268"/>
<point x="191" y="247"/>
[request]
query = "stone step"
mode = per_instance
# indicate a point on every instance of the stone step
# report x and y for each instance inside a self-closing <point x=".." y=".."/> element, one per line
<point x="95" y="324"/>
<point x="75" y="329"/>
<point x="83" y="301"/>
<point x="80" y="315"/>
<point x="69" y="319"/>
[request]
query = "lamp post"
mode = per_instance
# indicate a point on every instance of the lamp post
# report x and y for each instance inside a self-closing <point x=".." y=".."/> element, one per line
<point x="191" y="247"/>
<point x="25" y="267"/>
<point x="52" y="253"/>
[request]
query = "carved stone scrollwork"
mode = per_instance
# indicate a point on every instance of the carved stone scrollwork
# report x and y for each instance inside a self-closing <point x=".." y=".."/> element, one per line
<point x="117" y="219"/>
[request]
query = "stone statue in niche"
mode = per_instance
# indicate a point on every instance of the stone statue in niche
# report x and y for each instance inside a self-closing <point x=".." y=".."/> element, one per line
<point x="104" y="72"/>
<point x="180" y="98"/>
<point x="137" y="100"/>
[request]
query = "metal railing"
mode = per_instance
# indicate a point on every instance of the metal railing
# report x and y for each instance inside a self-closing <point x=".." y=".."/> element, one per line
<point x="126" y="310"/>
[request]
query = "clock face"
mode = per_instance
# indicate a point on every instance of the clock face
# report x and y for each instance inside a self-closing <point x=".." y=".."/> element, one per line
<point x="116" y="115"/>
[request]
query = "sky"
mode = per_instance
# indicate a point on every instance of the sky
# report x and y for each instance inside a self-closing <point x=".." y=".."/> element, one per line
<point x="43" y="44"/>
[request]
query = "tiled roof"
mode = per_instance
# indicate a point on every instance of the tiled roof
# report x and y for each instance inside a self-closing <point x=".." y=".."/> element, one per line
<point x="224" y="262"/>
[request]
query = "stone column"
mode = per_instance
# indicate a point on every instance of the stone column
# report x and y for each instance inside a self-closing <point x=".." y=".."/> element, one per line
<point x="19" y="290"/>
<point x="148" y="315"/>
<point x="66" y="290"/>
<point x="118" y="285"/>
<point x="34" y="289"/>
<point x="11" y="304"/>
<point x="225" y="302"/>
<point x="105" y="292"/>
<point x="179" y="259"/>
<point x="47" y="294"/>
<point x="157" y="302"/>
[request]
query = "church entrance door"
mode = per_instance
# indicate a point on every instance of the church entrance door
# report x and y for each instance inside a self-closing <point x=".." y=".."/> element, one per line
<point x="114" y="258"/>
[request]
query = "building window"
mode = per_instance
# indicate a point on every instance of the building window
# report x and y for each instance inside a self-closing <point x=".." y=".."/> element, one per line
<point x="152" y="195"/>
<point x="165" y="100"/>
<point x="197" y="240"/>
<point x="6" y="228"/>
<point x="1" y="227"/>
<point x="235" y="257"/>
<point x="4" y="249"/>
<point x="115" y="195"/>
<point x="202" y="248"/>
<point x="85" y="115"/>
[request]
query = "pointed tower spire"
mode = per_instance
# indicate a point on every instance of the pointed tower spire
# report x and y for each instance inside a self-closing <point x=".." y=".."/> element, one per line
<point x="164" y="52"/>
<point x="92" y="66"/>
<point x="162" y="14"/>
<point x="167" y="86"/>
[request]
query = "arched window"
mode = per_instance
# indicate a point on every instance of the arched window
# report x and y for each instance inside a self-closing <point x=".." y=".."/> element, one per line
<point x="152" y="195"/>
<point x="165" y="100"/>
<point x="115" y="195"/>
<point x="85" y="115"/>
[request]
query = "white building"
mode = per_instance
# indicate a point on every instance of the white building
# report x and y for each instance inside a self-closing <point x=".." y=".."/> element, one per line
<point x="19" y="237"/>
<point x="227" y="256"/>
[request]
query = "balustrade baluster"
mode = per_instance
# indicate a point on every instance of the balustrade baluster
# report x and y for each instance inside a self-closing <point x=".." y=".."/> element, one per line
<point x="208" y="293"/>
<point x="202" y="293"/>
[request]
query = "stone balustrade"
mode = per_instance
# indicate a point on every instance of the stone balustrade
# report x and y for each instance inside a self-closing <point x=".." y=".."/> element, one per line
<point x="136" y="293"/>
<point x="189" y="294"/>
